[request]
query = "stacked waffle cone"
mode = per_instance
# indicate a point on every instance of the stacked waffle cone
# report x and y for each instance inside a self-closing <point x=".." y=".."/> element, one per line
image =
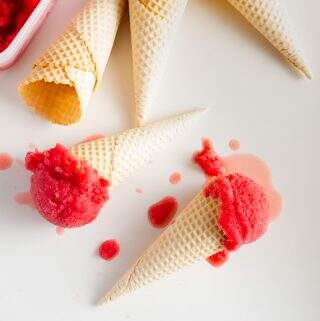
<point x="193" y="236"/>
<point x="271" y="20"/>
<point x="153" y="25"/>
<point x="117" y="156"/>
<point x="64" y="78"/>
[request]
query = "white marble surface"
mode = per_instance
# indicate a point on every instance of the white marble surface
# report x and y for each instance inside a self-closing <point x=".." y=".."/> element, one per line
<point x="217" y="61"/>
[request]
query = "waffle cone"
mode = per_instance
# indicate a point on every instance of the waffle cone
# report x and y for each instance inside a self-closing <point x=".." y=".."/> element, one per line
<point x="193" y="236"/>
<point x="153" y="24"/>
<point x="64" y="77"/>
<point x="271" y="20"/>
<point x="117" y="156"/>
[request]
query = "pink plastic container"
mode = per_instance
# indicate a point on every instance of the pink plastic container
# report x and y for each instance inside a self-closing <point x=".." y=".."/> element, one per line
<point x="25" y="34"/>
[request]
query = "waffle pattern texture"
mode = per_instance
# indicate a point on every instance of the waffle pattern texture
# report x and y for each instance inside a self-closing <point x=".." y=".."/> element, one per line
<point x="271" y="20"/>
<point x="64" y="78"/>
<point x="153" y="26"/>
<point x="193" y="236"/>
<point x="116" y="157"/>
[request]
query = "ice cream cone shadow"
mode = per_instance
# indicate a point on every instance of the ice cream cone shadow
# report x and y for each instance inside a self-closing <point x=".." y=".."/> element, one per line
<point x="231" y="18"/>
<point x="120" y="65"/>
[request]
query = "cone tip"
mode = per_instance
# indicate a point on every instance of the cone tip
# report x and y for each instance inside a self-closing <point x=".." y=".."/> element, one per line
<point x="307" y="72"/>
<point x="102" y="301"/>
<point x="140" y="121"/>
<point x="195" y="111"/>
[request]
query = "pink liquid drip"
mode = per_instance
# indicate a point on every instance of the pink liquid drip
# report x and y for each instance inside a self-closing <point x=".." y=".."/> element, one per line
<point x="60" y="230"/>
<point x="256" y="169"/>
<point x="92" y="137"/>
<point x="24" y="199"/>
<point x="139" y="190"/>
<point x="175" y="178"/>
<point x="5" y="161"/>
<point x="234" y="144"/>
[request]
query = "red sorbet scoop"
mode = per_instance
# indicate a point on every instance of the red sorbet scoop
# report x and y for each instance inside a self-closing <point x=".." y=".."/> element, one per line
<point x="66" y="192"/>
<point x="243" y="214"/>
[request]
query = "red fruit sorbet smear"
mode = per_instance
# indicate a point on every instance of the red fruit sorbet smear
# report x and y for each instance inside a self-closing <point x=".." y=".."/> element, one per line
<point x="108" y="250"/>
<point x="219" y="258"/>
<point x="67" y="192"/>
<point x="208" y="160"/>
<point x="243" y="214"/>
<point x="5" y="161"/>
<point x="92" y="138"/>
<point x="13" y="15"/>
<point x="161" y="213"/>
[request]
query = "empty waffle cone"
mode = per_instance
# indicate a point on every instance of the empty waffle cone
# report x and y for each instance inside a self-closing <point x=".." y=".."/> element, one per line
<point x="193" y="236"/>
<point x="117" y="156"/>
<point x="64" y="78"/>
<point x="153" y="24"/>
<point x="271" y="20"/>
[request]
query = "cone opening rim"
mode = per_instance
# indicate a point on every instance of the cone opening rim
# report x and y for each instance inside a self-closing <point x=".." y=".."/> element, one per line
<point x="48" y="99"/>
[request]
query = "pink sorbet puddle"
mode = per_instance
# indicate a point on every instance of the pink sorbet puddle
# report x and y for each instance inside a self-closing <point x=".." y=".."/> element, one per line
<point x="256" y="169"/>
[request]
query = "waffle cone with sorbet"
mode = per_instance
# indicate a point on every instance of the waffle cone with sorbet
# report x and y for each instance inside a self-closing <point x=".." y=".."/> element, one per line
<point x="117" y="156"/>
<point x="193" y="236"/>
<point x="229" y="212"/>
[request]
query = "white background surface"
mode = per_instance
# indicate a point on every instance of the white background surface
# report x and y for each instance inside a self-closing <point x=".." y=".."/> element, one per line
<point x="217" y="61"/>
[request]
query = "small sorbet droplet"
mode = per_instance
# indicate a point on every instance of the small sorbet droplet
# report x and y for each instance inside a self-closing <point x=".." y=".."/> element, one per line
<point x="5" y="161"/>
<point x="139" y="190"/>
<point x="234" y="144"/>
<point x="92" y="137"/>
<point x="109" y="249"/>
<point x="218" y="259"/>
<point x="24" y="199"/>
<point x="175" y="178"/>
<point x="60" y="230"/>
<point x="161" y="213"/>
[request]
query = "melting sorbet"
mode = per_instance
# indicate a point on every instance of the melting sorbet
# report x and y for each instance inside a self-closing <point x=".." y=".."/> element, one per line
<point x="67" y="192"/>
